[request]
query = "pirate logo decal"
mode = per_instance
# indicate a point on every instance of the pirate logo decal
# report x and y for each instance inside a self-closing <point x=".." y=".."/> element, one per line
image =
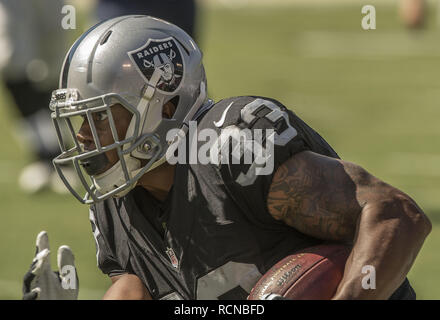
<point x="160" y="63"/>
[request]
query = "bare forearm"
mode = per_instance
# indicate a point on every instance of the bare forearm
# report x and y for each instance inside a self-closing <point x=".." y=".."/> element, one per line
<point x="389" y="236"/>
<point x="336" y="200"/>
<point x="127" y="287"/>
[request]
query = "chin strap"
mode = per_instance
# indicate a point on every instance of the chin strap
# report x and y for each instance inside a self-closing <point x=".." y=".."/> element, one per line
<point x="114" y="177"/>
<point x="145" y="102"/>
<point x="195" y="107"/>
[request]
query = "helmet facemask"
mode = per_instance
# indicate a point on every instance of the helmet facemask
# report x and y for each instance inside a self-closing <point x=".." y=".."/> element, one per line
<point x="69" y="114"/>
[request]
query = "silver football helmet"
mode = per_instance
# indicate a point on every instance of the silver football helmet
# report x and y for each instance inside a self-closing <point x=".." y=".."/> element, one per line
<point x="140" y="63"/>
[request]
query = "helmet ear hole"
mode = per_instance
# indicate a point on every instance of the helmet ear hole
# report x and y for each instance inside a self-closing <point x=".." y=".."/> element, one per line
<point x="170" y="107"/>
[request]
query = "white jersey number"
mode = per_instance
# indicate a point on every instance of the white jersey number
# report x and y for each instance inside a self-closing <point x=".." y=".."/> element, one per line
<point x="228" y="281"/>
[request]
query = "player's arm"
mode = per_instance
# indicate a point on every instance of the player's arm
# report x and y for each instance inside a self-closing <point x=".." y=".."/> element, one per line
<point x="336" y="200"/>
<point x="127" y="287"/>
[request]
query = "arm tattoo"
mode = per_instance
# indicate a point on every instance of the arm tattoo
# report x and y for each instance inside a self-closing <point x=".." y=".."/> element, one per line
<point x="320" y="196"/>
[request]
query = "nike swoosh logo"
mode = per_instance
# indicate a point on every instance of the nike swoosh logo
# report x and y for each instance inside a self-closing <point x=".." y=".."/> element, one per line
<point x="219" y="123"/>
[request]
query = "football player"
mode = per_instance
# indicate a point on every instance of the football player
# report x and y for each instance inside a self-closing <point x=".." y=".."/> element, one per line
<point x="197" y="230"/>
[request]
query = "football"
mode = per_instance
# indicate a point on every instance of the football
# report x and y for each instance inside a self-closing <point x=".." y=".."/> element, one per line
<point x="312" y="274"/>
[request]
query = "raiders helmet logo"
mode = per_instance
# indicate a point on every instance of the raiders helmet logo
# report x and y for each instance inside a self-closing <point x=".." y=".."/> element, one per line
<point x="160" y="61"/>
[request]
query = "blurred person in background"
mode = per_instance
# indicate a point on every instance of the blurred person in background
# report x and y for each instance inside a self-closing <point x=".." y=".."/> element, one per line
<point x="32" y="46"/>
<point x="413" y="13"/>
<point x="179" y="12"/>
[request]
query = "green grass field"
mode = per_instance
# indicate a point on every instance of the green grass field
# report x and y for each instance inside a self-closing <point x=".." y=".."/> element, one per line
<point x="372" y="94"/>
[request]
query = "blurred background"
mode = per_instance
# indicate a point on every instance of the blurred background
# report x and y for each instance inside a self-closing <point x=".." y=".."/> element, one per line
<point x="373" y="95"/>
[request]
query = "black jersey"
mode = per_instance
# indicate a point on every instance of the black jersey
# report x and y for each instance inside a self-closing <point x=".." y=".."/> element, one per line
<point x="213" y="237"/>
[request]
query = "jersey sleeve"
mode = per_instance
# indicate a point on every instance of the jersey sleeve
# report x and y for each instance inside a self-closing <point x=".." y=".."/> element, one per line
<point x="277" y="134"/>
<point x="102" y="229"/>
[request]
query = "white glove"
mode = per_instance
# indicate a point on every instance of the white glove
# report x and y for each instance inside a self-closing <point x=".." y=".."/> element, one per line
<point x="41" y="283"/>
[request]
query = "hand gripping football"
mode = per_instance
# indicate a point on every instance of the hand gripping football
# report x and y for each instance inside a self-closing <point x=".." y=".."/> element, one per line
<point x="312" y="274"/>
